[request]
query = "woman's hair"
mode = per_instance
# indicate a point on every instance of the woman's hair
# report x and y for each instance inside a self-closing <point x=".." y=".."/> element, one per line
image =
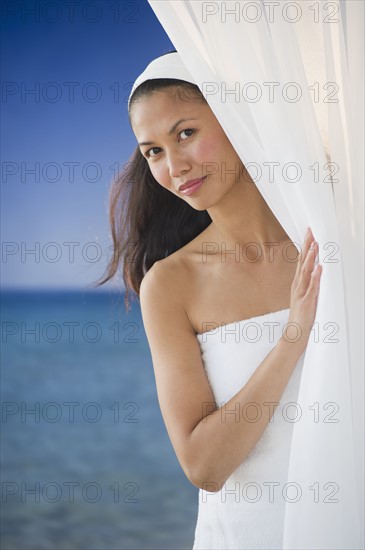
<point x="148" y="222"/>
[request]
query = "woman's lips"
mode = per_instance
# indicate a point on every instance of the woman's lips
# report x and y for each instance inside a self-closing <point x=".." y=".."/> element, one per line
<point x="193" y="186"/>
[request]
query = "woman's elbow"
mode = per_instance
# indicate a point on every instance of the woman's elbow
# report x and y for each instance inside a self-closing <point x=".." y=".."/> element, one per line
<point x="200" y="471"/>
<point x="203" y="480"/>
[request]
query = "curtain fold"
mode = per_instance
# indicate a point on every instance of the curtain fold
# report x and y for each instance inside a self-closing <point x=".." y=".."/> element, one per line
<point x="286" y="81"/>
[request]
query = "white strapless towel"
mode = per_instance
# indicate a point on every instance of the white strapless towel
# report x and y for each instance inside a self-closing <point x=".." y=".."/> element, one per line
<point x="248" y="512"/>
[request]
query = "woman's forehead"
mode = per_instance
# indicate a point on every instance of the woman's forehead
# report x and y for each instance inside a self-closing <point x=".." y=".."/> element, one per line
<point x="161" y="110"/>
<point x="168" y="98"/>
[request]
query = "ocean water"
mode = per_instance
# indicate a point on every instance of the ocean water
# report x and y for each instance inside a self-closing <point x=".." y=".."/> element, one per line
<point x="86" y="459"/>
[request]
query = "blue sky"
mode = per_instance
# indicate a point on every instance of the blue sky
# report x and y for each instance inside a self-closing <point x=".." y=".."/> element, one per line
<point x="61" y="144"/>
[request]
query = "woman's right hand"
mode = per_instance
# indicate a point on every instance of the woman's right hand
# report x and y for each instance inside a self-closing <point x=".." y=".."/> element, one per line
<point x="304" y="296"/>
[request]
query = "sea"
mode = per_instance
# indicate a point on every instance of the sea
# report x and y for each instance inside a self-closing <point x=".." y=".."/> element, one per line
<point x="86" y="459"/>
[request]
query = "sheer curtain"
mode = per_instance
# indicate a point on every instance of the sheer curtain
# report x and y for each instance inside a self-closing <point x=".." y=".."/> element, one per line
<point x="285" y="81"/>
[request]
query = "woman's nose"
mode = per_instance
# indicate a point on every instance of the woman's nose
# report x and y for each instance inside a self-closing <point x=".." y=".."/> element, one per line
<point x="177" y="164"/>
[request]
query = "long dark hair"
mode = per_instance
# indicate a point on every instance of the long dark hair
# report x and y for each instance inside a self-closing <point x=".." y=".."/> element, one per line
<point x="147" y="221"/>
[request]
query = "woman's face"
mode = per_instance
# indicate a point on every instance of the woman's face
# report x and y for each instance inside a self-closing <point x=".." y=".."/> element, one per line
<point x="183" y="141"/>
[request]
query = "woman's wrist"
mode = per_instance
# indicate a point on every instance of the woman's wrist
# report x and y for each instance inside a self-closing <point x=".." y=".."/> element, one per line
<point x="292" y="348"/>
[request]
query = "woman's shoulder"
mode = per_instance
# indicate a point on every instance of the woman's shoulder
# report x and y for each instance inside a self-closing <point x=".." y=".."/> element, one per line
<point x="178" y="271"/>
<point x="186" y="255"/>
<point x="184" y="261"/>
<point x="165" y="272"/>
<point x="170" y="270"/>
<point x="165" y="289"/>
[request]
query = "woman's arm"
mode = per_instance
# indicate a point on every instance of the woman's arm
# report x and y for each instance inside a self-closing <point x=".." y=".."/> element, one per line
<point x="235" y="435"/>
<point x="184" y="393"/>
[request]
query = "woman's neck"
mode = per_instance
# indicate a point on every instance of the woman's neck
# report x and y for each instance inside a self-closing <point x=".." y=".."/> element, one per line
<point x="243" y="217"/>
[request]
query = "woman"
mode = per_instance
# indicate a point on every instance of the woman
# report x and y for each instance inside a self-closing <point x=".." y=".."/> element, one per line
<point x="207" y="258"/>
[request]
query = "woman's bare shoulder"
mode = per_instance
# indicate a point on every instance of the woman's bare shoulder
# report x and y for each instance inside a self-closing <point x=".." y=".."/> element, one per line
<point x="166" y="276"/>
<point x="180" y="263"/>
<point x="172" y="280"/>
<point x="185" y="260"/>
<point x="163" y="294"/>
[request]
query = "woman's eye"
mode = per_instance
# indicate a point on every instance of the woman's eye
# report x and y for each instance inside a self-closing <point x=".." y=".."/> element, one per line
<point x="187" y="132"/>
<point x="154" y="151"/>
<point x="148" y="153"/>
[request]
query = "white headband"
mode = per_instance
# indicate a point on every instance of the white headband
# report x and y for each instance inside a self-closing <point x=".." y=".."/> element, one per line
<point x="167" y="66"/>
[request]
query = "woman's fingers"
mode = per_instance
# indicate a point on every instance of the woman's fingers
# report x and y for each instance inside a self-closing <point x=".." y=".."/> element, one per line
<point x="313" y="287"/>
<point x="307" y="263"/>
<point x="310" y="271"/>
<point x="305" y="289"/>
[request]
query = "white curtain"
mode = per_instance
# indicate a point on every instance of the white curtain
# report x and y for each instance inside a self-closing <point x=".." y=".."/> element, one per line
<point x="296" y="70"/>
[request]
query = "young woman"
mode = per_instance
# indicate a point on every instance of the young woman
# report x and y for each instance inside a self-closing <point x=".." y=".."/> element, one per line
<point x="210" y="261"/>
